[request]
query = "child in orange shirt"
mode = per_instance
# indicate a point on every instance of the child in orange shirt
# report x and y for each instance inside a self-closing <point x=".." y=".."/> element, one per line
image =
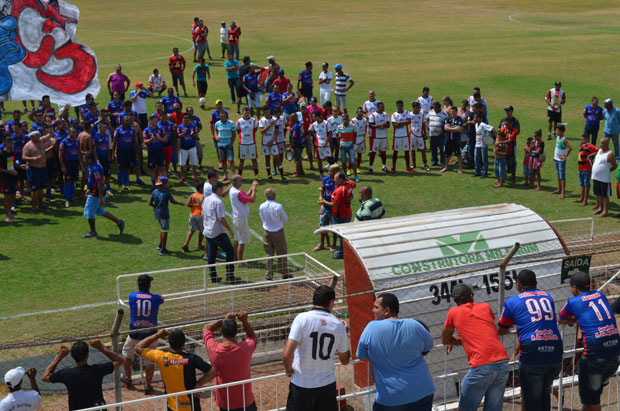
<point x="194" y="202"/>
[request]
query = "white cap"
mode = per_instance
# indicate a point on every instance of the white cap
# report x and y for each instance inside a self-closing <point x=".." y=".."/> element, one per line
<point x="271" y="57"/>
<point x="33" y="133"/>
<point x="608" y="101"/>
<point x="13" y="377"/>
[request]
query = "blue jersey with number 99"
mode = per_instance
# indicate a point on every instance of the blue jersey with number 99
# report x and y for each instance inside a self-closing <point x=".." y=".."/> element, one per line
<point x="143" y="309"/>
<point x="533" y="313"/>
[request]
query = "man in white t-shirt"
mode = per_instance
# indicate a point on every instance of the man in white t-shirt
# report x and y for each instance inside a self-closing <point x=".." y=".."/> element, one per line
<point x="481" y="155"/>
<point x="18" y="399"/>
<point x="240" y="211"/>
<point x="223" y="38"/>
<point x="401" y="120"/>
<point x="378" y="122"/>
<point x="322" y="139"/>
<point x="214" y="229"/>
<point x="157" y="84"/>
<point x="138" y="99"/>
<point x="325" y="81"/>
<point x="308" y="356"/>
<point x="246" y="128"/>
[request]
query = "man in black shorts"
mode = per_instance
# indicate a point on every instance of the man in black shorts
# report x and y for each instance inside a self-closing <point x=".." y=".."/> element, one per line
<point x="452" y="126"/>
<point x="8" y="177"/>
<point x="242" y="92"/>
<point x="555" y="98"/>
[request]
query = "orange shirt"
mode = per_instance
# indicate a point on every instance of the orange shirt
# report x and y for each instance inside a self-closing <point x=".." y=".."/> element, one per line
<point x="196" y="200"/>
<point x="475" y="324"/>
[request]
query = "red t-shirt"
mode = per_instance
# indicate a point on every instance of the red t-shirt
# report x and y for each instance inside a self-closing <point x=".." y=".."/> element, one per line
<point x="233" y="36"/>
<point x="177" y="118"/>
<point x="511" y="135"/>
<point x="176" y="63"/>
<point x="583" y="162"/>
<point x="475" y="324"/>
<point x="199" y="31"/>
<point x="232" y="364"/>
<point x="282" y="84"/>
<point x="341" y="197"/>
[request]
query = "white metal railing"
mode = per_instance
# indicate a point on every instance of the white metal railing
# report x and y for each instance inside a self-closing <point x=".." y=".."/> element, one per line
<point x="270" y="396"/>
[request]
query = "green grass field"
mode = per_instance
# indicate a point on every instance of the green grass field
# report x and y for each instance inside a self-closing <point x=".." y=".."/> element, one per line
<point x="512" y="51"/>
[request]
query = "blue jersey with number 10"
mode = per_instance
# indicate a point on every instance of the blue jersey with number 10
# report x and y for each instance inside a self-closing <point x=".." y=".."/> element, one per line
<point x="143" y="308"/>
<point x="533" y="313"/>
<point x="597" y="322"/>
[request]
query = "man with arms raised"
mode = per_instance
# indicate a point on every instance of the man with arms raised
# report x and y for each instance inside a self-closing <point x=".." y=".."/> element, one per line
<point x="308" y="355"/>
<point x="532" y="311"/>
<point x="18" y="399"/>
<point x="396" y="348"/>
<point x="592" y="312"/>
<point x="232" y="360"/>
<point x="177" y="367"/>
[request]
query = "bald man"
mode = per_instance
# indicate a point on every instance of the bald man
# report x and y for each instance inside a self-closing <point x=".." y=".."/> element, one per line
<point x="273" y="216"/>
<point x="371" y="208"/>
<point x="33" y="154"/>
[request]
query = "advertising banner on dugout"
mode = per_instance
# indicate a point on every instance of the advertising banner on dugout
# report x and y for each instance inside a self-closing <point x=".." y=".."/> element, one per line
<point x="39" y="54"/>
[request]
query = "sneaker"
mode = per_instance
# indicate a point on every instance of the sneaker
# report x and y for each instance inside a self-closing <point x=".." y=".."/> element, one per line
<point x="90" y="235"/>
<point x="127" y="188"/>
<point x="384" y="168"/>
<point x="121" y="225"/>
<point x="233" y="280"/>
<point x="283" y="178"/>
<point x="221" y="255"/>
<point x="393" y="170"/>
<point x="370" y="170"/>
<point x="356" y="179"/>
<point x="232" y="101"/>
<point x="410" y="169"/>
<point x="140" y="182"/>
<point x="337" y="256"/>
<point x="270" y="177"/>
<point x="127" y="382"/>
<point x="109" y="193"/>
<point x="274" y="173"/>
<point x="149" y="391"/>
<point x="163" y="251"/>
<point x="267" y="278"/>
<point x="182" y="180"/>
<point x="158" y="247"/>
<point x="216" y="280"/>
<point x="286" y="277"/>
<point x="67" y="204"/>
<point x="538" y="188"/>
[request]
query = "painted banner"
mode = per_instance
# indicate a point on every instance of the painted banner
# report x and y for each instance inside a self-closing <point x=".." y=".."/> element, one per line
<point x="39" y="54"/>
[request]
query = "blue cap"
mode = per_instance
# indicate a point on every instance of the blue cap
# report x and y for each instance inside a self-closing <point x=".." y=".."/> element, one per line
<point x="162" y="180"/>
<point x="281" y="71"/>
<point x="338" y="66"/>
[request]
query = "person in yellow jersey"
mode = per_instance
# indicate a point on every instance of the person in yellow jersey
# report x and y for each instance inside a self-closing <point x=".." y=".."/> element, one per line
<point x="177" y="367"/>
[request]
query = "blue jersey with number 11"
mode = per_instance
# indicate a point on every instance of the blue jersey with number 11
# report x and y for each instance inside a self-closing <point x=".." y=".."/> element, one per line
<point x="143" y="308"/>
<point x="597" y="322"/>
<point x="533" y="313"/>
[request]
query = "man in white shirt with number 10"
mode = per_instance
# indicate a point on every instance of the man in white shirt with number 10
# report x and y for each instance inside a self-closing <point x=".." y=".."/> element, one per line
<point x="309" y="354"/>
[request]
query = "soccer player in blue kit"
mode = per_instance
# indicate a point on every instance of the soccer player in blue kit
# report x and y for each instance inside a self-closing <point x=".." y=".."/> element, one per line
<point x="68" y="155"/>
<point x="124" y="148"/>
<point x="532" y="311"/>
<point x="143" y="310"/>
<point x="592" y="312"/>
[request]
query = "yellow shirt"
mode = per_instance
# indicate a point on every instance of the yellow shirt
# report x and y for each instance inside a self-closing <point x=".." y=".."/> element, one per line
<point x="178" y="370"/>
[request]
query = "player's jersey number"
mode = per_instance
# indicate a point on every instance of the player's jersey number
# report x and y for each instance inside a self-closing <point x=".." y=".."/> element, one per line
<point x="322" y="345"/>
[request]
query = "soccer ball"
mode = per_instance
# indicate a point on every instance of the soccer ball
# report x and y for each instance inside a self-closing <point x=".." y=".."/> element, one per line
<point x="202" y="101"/>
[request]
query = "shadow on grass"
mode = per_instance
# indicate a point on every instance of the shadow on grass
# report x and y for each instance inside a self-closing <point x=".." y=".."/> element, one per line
<point x="4" y="257"/>
<point x="30" y="221"/>
<point x="122" y="238"/>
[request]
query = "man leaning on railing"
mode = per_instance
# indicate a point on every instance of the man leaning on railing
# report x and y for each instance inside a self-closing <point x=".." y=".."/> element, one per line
<point x="177" y="367"/>
<point x="232" y="360"/>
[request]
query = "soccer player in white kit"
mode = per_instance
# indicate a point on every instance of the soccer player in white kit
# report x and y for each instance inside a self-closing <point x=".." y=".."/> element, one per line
<point x="281" y="137"/>
<point x="402" y="137"/>
<point x="269" y="129"/>
<point x="378" y="122"/>
<point x="308" y="356"/>
<point x="322" y="139"/>
<point x="426" y="100"/>
<point x="418" y="133"/>
<point x="334" y="121"/>
<point x="369" y="107"/>
<point x="246" y="128"/>
<point x="360" y="123"/>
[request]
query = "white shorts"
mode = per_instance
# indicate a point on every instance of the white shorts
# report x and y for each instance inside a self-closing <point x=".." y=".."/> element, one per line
<point x="254" y="102"/>
<point x="271" y="150"/>
<point x="378" y="144"/>
<point x="241" y="230"/>
<point x="360" y="148"/>
<point x="418" y="143"/>
<point x="247" y="151"/>
<point x="158" y="89"/>
<point x="324" y="152"/>
<point x="282" y="147"/>
<point x="324" y="95"/>
<point x="191" y="153"/>
<point x="130" y="344"/>
<point x="401" y="144"/>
